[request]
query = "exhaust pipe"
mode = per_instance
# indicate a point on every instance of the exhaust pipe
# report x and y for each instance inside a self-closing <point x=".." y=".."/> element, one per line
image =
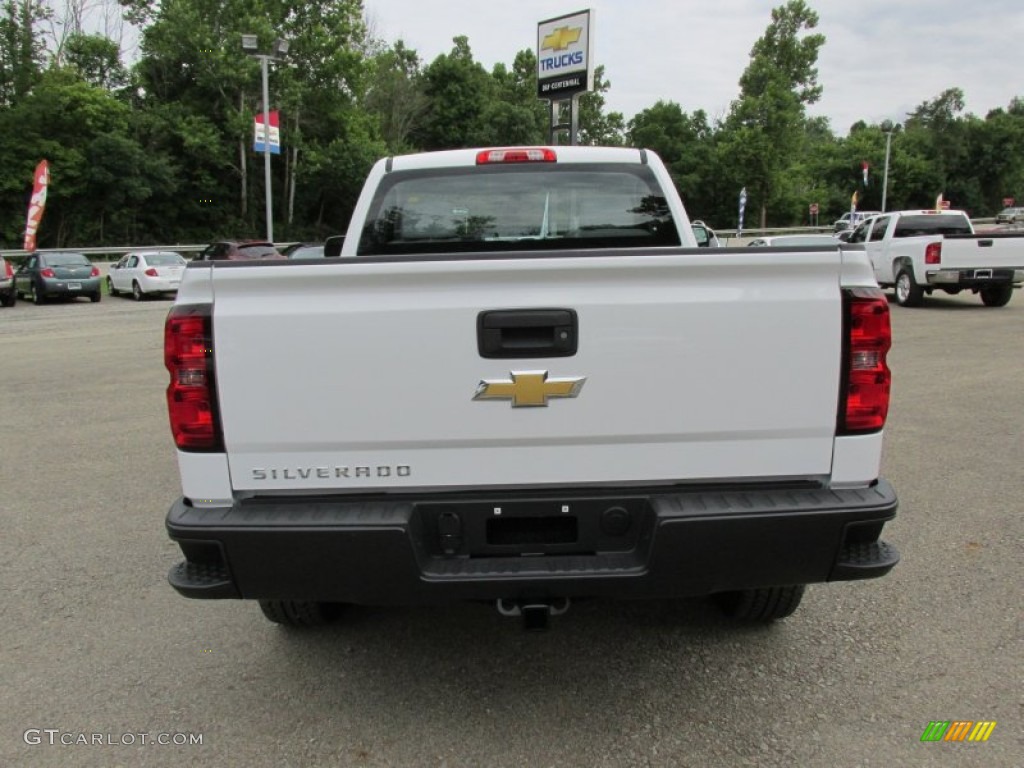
<point x="535" y="613"/>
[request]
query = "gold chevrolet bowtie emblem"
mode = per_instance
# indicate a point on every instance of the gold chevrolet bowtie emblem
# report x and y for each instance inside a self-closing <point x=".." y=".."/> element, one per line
<point x="529" y="388"/>
<point x="561" y="39"/>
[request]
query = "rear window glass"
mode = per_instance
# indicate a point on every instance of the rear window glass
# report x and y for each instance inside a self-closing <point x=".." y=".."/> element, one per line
<point x="935" y="224"/>
<point x="65" y="260"/>
<point x="256" y="251"/>
<point x="517" y="208"/>
<point x="165" y="259"/>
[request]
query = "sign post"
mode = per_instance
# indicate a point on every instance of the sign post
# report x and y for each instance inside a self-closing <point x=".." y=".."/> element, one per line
<point x="814" y="214"/>
<point x="565" y="67"/>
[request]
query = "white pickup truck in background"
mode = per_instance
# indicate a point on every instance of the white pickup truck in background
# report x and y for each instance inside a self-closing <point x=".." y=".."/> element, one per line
<point x="918" y="252"/>
<point x="523" y="383"/>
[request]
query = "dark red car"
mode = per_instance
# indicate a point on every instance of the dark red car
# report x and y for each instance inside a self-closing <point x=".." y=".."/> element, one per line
<point x="239" y="250"/>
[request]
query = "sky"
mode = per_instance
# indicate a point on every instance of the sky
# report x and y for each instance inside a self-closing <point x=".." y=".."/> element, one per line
<point x="880" y="60"/>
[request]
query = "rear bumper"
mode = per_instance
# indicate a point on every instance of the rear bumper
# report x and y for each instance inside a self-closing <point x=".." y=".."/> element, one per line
<point x="436" y="550"/>
<point x="975" y="277"/>
<point x="61" y="287"/>
<point x="159" y="284"/>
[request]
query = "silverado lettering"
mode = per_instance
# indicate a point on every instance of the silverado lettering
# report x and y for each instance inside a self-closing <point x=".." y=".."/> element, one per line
<point x="304" y="473"/>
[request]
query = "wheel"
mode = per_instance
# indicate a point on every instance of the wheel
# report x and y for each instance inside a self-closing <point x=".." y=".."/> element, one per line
<point x="763" y="604"/>
<point x="300" y="613"/>
<point x="8" y="299"/>
<point x="997" y="295"/>
<point x="908" y="292"/>
<point x="37" y="297"/>
<point x="137" y="293"/>
<point x="95" y="297"/>
<point x="111" y="289"/>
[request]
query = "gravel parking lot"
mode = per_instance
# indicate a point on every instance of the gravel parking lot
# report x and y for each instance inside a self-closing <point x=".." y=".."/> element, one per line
<point x="94" y="642"/>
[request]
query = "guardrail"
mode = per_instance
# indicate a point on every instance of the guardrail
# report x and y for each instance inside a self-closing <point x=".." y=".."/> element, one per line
<point x="117" y="251"/>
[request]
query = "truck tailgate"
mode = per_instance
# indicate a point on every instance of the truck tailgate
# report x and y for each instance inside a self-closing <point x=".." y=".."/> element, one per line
<point x="998" y="251"/>
<point x="698" y="364"/>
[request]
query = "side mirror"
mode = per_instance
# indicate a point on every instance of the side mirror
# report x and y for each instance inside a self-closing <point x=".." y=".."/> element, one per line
<point x="700" y="233"/>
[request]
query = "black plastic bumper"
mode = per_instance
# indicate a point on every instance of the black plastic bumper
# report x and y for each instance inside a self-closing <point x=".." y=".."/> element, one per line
<point x="575" y="543"/>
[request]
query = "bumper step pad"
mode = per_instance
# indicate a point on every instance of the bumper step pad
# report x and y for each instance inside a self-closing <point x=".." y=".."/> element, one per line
<point x="865" y="561"/>
<point x="202" y="580"/>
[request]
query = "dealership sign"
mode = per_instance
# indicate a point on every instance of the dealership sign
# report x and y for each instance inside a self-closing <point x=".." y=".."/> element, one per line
<point x="565" y="55"/>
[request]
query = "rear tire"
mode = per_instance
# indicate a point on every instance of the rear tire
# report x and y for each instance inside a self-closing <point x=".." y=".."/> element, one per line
<point x="997" y="295"/>
<point x="95" y="297"/>
<point x="908" y="292"/>
<point x="37" y="297"/>
<point x="763" y="604"/>
<point x="300" y="613"/>
<point x="137" y="293"/>
<point x="8" y="299"/>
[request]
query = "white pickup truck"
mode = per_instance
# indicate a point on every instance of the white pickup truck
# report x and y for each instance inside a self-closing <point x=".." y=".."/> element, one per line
<point x="523" y="383"/>
<point x="918" y="252"/>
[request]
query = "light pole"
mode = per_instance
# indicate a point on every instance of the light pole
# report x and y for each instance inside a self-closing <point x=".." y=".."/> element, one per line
<point x="887" y="129"/>
<point x="249" y="44"/>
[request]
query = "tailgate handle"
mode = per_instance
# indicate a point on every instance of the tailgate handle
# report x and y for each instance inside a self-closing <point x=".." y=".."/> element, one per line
<point x="984" y="243"/>
<point x="518" y="333"/>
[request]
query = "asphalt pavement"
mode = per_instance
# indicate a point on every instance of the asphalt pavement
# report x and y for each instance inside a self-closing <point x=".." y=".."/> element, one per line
<point x="95" y="647"/>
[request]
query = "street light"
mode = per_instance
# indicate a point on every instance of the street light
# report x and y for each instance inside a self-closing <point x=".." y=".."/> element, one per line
<point x="887" y="128"/>
<point x="250" y="44"/>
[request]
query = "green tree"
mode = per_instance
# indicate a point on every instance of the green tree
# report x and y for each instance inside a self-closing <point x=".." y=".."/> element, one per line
<point x="460" y="91"/>
<point x="395" y="94"/>
<point x="686" y="143"/>
<point x="21" y="47"/>
<point x="765" y="124"/>
<point x="597" y="127"/>
<point x="97" y="59"/>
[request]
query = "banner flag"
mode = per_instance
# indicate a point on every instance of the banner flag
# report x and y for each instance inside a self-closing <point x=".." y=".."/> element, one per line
<point x="36" y="206"/>
<point x="743" y="206"/>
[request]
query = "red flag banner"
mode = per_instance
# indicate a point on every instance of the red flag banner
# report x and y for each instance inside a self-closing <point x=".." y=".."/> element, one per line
<point x="37" y="204"/>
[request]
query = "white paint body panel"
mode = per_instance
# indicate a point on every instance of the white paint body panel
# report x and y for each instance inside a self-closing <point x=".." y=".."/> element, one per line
<point x="700" y="365"/>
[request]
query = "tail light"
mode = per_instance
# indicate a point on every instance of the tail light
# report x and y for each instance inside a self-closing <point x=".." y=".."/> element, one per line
<point x="191" y="394"/>
<point x="46" y="272"/>
<point x="516" y="155"/>
<point x="95" y="272"/>
<point x="933" y="253"/>
<point x="8" y="270"/>
<point x="864" y="403"/>
<point x="151" y="272"/>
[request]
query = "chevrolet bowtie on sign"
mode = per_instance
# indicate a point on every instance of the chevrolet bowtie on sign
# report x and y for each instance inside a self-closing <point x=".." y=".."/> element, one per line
<point x="529" y="388"/>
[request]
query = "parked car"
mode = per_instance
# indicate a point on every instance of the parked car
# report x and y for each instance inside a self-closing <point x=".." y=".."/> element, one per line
<point x="329" y="248"/>
<point x="239" y="250"/>
<point x="332" y="246"/>
<point x="705" y="235"/>
<point x="146" y="272"/>
<point x="7" y="296"/>
<point x="65" y="274"/>
<point x="851" y="219"/>
<point x="777" y="241"/>
<point x="304" y="251"/>
<point x="1010" y="216"/>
